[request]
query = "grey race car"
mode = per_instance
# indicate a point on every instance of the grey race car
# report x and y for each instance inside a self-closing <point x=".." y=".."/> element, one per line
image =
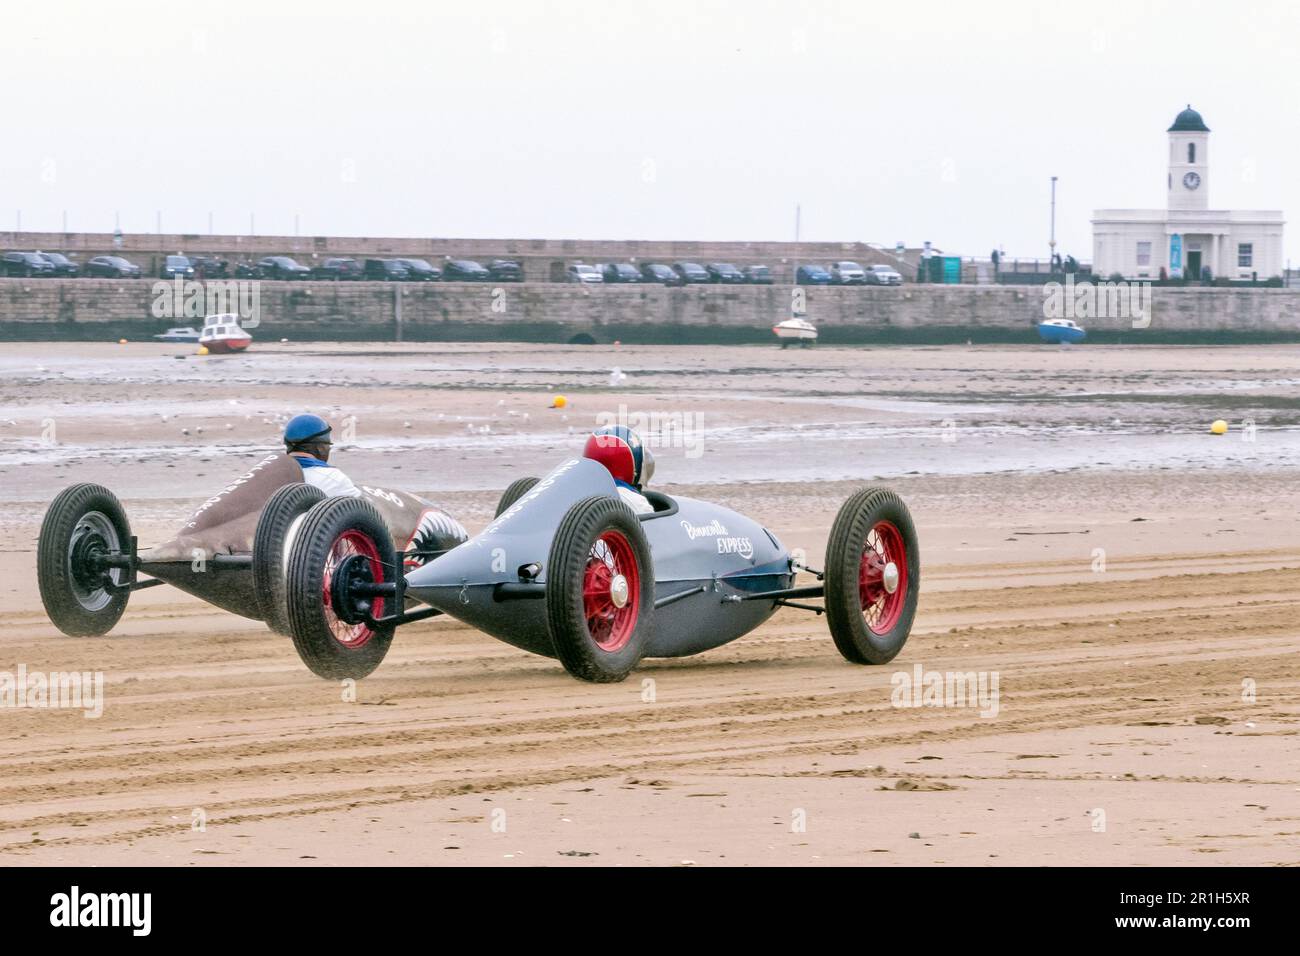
<point x="568" y="571"/>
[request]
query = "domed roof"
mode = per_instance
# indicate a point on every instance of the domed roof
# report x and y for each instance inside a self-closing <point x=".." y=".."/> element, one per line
<point x="1188" y="121"/>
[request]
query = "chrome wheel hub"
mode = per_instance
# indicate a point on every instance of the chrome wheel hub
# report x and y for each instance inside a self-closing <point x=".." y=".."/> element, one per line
<point x="618" y="591"/>
<point x="890" y="577"/>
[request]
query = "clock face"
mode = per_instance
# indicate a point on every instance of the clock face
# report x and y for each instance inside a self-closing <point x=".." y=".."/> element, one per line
<point x="1192" y="180"/>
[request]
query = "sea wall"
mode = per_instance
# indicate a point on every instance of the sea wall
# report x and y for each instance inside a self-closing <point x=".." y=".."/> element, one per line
<point x="106" y="309"/>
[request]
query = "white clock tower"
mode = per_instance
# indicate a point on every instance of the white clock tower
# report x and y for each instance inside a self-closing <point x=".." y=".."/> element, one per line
<point x="1188" y="239"/>
<point x="1189" y="154"/>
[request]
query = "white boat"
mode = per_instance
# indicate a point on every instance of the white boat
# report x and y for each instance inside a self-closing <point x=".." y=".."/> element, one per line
<point x="186" y="334"/>
<point x="795" y="330"/>
<point x="222" y="334"/>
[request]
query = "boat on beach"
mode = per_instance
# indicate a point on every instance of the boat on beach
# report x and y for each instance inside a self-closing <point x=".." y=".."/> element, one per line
<point x="795" y="330"/>
<point x="222" y="334"/>
<point x="187" y="334"/>
<point x="1061" y="331"/>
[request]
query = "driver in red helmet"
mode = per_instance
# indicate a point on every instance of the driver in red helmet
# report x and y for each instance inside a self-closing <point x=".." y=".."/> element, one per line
<point x="630" y="463"/>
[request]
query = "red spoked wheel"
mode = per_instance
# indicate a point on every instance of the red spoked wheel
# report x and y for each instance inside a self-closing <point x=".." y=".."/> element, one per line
<point x="342" y="623"/>
<point x="873" y="575"/>
<point x="342" y="547"/>
<point x="611" y="591"/>
<point x="882" y="577"/>
<point x="599" y="590"/>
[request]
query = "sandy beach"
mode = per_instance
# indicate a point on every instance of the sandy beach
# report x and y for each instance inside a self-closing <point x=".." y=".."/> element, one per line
<point x="1132" y="581"/>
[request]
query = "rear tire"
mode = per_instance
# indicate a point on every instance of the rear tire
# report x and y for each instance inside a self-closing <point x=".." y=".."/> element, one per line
<point x="82" y="522"/>
<point x="330" y="646"/>
<point x="599" y="557"/>
<point x="873" y="533"/>
<point x="514" y="491"/>
<point x="270" y="554"/>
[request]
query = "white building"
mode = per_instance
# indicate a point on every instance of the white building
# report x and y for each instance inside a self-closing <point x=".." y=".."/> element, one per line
<point x="1187" y="236"/>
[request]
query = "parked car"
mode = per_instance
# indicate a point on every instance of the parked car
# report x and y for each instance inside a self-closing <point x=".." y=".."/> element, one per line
<point x="112" y="267"/>
<point x="27" y="264"/>
<point x="725" y="273"/>
<point x="336" y="270"/>
<point x="505" y="270"/>
<point x="880" y="274"/>
<point x="385" y="270"/>
<point x="654" y="272"/>
<point x="173" y="266"/>
<point x="620" y="272"/>
<point x="581" y="272"/>
<point x="63" y="266"/>
<point x="281" y="267"/>
<point x="812" y="275"/>
<point x="246" y="270"/>
<point x="758" y="275"/>
<point x="691" y="272"/>
<point x="464" y="270"/>
<point x="417" y="270"/>
<point x="210" y="267"/>
<point x="847" y="273"/>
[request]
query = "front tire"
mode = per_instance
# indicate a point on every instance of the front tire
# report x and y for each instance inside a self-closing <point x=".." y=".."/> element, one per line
<point x="599" y="590"/>
<point x="270" y="556"/>
<point x="83" y="524"/>
<point x="514" y="491"/>
<point x="334" y="640"/>
<point x="873" y="575"/>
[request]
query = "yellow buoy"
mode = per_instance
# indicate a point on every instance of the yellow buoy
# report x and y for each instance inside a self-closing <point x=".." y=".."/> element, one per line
<point x="121" y="341"/>
<point x="559" y="402"/>
<point x="1220" y="427"/>
<point x="203" y="350"/>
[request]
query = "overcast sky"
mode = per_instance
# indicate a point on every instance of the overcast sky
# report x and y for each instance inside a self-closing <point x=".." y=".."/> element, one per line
<point x="650" y="119"/>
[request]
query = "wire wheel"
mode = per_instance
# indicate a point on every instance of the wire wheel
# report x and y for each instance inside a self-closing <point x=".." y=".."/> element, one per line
<point x="882" y="577"/>
<point x="611" y="592"/>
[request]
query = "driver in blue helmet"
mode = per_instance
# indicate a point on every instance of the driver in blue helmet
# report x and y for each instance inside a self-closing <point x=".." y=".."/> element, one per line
<point x="307" y="441"/>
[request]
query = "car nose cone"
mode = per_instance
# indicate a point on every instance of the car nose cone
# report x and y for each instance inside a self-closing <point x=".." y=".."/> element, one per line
<point x="618" y="590"/>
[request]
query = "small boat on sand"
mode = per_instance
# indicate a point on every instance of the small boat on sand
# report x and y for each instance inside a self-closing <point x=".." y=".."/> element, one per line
<point x="1061" y="331"/>
<point x="795" y="330"/>
<point x="222" y="334"/>
<point x="186" y="334"/>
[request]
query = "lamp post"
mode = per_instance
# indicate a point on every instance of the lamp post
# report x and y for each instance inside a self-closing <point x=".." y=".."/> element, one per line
<point x="1051" y="242"/>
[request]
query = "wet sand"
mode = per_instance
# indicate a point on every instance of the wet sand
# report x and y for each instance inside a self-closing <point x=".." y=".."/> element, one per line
<point x="1122" y="734"/>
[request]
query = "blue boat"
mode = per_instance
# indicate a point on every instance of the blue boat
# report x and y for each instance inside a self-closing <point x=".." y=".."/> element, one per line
<point x="1061" y="331"/>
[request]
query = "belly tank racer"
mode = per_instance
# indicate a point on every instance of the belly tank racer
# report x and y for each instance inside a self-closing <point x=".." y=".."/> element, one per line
<point x="231" y="552"/>
<point x="585" y="566"/>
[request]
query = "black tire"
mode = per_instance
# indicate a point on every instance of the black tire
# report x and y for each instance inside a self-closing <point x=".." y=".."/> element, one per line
<point x="311" y="619"/>
<point x="514" y="491"/>
<point x="83" y="520"/>
<point x="269" y="555"/>
<point x="881" y="510"/>
<point x="566" y="610"/>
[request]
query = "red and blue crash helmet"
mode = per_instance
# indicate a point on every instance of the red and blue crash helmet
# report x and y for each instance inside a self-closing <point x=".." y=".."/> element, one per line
<point x="620" y="449"/>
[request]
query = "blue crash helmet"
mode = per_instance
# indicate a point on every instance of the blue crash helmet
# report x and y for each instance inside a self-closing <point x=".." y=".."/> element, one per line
<point x="306" y="430"/>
